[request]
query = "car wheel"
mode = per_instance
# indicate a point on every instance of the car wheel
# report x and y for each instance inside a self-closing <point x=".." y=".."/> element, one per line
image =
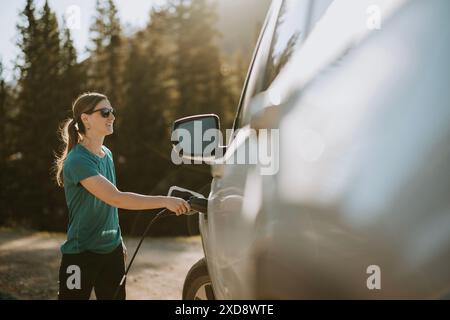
<point x="198" y="285"/>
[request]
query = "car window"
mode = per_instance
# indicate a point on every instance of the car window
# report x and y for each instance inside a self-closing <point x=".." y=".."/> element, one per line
<point x="282" y="35"/>
<point x="289" y="33"/>
<point x="258" y="66"/>
<point x="295" y="19"/>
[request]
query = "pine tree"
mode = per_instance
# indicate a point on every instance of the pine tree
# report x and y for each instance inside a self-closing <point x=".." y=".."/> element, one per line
<point x="3" y="95"/>
<point x="3" y="120"/>
<point x="106" y="59"/>
<point x="197" y="59"/>
<point x="97" y="59"/>
<point x="25" y="127"/>
<point x="27" y="32"/>
<point x="146" y="103"/>
<point x="148" y="110"/>
<point x="106" y="52"/>
<point x="28" y="60"/>
<point x="197" y="73"/>
<point x="40" y="109"/>
<point x="115" y="57"/>
<point x="71" y="73"/>
<point x="3" y="151"/>
<point x="49" y="95"/>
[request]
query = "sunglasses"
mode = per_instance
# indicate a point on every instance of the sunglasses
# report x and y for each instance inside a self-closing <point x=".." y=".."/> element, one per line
<point x="104" y="112"/>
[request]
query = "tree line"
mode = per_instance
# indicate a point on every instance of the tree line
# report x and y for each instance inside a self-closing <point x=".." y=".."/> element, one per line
<point x="171" y="68"/>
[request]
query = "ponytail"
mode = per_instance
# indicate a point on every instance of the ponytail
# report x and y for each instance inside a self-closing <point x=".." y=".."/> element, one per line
<point x="69" y="135"/>
<point x="71" y="130"/>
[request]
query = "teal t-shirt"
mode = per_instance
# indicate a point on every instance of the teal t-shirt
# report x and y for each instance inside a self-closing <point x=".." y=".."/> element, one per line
<point x="93" y="224"/>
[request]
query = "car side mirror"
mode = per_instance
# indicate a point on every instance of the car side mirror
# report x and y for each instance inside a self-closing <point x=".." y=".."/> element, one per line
<point x="196" y="138"/>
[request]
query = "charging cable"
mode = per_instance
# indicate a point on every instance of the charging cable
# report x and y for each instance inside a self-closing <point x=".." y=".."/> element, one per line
<point x="197" y="202"/>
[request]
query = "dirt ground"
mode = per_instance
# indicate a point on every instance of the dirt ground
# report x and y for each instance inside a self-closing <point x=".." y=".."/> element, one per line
<point x="29" y="263"/>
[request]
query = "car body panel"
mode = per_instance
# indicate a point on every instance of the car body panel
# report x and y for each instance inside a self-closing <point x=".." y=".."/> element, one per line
<point x="363" y="176"/>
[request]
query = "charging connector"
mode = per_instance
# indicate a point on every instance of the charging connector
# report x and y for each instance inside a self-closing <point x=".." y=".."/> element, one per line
<point x="197" y="202"/>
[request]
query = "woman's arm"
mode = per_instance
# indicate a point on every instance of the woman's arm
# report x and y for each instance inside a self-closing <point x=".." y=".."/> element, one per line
<point x="104" y="190"/>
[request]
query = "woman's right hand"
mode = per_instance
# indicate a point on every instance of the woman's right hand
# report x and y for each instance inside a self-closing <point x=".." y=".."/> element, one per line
<point x="177" y="205"/>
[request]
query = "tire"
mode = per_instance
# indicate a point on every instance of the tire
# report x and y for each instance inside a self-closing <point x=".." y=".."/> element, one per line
<point x="198" y="285"/>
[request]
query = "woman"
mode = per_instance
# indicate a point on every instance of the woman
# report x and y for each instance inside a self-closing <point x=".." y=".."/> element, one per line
<point x="93" y="255"/>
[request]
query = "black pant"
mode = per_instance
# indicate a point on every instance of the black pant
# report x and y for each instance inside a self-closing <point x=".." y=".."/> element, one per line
<point x="79" y="273"/>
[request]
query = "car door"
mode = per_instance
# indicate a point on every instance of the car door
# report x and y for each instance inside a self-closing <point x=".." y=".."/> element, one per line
<point x="230" y="227"/>
<point x="366" y="188"/>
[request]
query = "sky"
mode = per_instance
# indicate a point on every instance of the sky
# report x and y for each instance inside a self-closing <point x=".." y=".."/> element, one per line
<point x="131" y="13"/>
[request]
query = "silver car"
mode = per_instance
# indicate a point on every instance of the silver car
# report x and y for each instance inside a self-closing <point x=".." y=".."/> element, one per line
<point x="335" y="182"/>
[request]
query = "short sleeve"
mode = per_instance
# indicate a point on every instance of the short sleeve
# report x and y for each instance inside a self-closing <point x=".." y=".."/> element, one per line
<point x="80" y="168"/>
<point x="108" y="152"/>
